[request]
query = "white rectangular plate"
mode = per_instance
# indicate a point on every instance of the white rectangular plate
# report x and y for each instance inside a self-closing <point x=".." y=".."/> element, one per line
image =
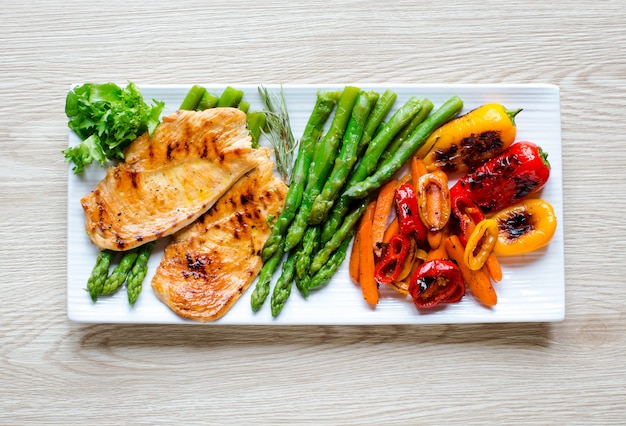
<point x="532" y="289"/>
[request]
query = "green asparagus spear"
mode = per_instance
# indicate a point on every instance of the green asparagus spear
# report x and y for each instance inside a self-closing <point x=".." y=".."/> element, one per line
<point x="134" y="281"/>
<point x="192" y="99"/>
<point x="262" y="287"/>
<point x="369" y="161"/>
<point x="328" y="270"/>
<point x="230" y="97"/>
<point x="327" y="149"/>
<point x="346" y="159"/>
<point x="310" y="242"/>
<point x="282" y="289"/>
<point x="347" y="227"/>
<point x="207" y="101"/>
<point x="380" y="111"/>
<point x="302" y="284"/>
<point x="375" y="149"/>
<point x="321" y="165"/>
<point x="119" y="274"/>
<point x="312" y="132"/>
<point x="335" y="217"/>
<point x="99" y="273"/>
<point x="443" y="114"/>
<point x="427" y="107"/>
<point x="255" y="121"/>
<point x="373" y="127"/>
<point x="244" y="106"/>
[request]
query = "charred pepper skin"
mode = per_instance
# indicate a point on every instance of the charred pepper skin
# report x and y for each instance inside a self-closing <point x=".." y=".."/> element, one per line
<point x="470" y="139"/>
<point x="522" y="170"/>
<point x="393" y="261"/>
<point x="407" y="211"/>
<point x="524" y="227"/>
<point x="466" y="214"/>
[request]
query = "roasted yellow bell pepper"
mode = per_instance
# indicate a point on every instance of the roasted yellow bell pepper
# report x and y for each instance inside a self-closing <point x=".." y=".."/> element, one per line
<point x="480" y="244"/>
<point x="524" y="227"/>
<point x="469" y="140"/>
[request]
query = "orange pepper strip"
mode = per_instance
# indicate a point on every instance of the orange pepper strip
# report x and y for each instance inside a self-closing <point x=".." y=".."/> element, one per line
<point x="384" y="204"/>
<point x="392" y="229"/>
<point x="438" y="249"/>
<point x="418" y="169"/>
<point x="355" y="256"/>
<point x="493" y="267"/>
<point x="437" y="252"/>
<point x="369" y="287"/>
<point x="477" y="281"/>
<point x="434" y="238"/>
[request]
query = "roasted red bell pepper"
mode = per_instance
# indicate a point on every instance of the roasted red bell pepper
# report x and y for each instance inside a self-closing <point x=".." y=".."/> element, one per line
<point x="407" y="211"/>
<point x="522" y="170"/>
<point x="393" y="259"/>
<point x="465" y="212"/>
<point x="436" y="281"/>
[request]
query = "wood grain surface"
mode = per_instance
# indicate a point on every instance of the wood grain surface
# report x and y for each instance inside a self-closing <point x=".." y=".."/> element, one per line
<point x="53" y="371"/>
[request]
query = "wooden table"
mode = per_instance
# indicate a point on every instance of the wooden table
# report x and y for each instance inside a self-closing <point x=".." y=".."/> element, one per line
<point x="53" y="371"/>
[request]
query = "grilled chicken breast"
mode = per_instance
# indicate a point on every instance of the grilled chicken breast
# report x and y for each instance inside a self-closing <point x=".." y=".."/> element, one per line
<point x="170" y="179"/>
<point x="211" y="263"/>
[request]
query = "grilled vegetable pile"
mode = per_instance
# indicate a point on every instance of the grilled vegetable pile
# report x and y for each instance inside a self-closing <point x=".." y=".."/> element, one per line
<point x="437" y="240"/>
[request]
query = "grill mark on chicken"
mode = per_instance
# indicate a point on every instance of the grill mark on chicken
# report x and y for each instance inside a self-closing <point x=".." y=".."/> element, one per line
<point x="133" y="178"/>
<point x="170" y="148"/>
<point x="246" y="198"/>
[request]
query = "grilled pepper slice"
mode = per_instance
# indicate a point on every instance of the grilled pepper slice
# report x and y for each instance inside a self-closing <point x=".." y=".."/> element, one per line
<point x="471" y="139"/>
<point x="466" y="214"/>
<point x="436" y="281"/>
<point x="524" y="227"/>
<point x="477" y="281"/>
<point x="434" y="200"/>
<point x="520" y="171"/>
<point x="392" y="263"/>
<point x="480" y="244"/>
<point x="407" y="211"/>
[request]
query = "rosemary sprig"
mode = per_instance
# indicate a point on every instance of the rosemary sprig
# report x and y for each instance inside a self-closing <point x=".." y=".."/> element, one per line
<point x="279" y="130"/>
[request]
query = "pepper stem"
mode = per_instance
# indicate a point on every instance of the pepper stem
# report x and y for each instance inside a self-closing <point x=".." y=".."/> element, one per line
<point x="544" y="156"/>
<point x="513" y="113"/>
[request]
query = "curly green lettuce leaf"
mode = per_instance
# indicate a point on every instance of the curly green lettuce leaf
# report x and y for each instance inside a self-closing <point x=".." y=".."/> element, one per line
<point x="85" y="153"/>
<point x="107" y="119"/>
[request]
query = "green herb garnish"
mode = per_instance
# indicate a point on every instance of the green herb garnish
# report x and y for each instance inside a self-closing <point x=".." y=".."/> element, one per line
<point x="107" y="119"/>
<point x="279" y="131"/>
